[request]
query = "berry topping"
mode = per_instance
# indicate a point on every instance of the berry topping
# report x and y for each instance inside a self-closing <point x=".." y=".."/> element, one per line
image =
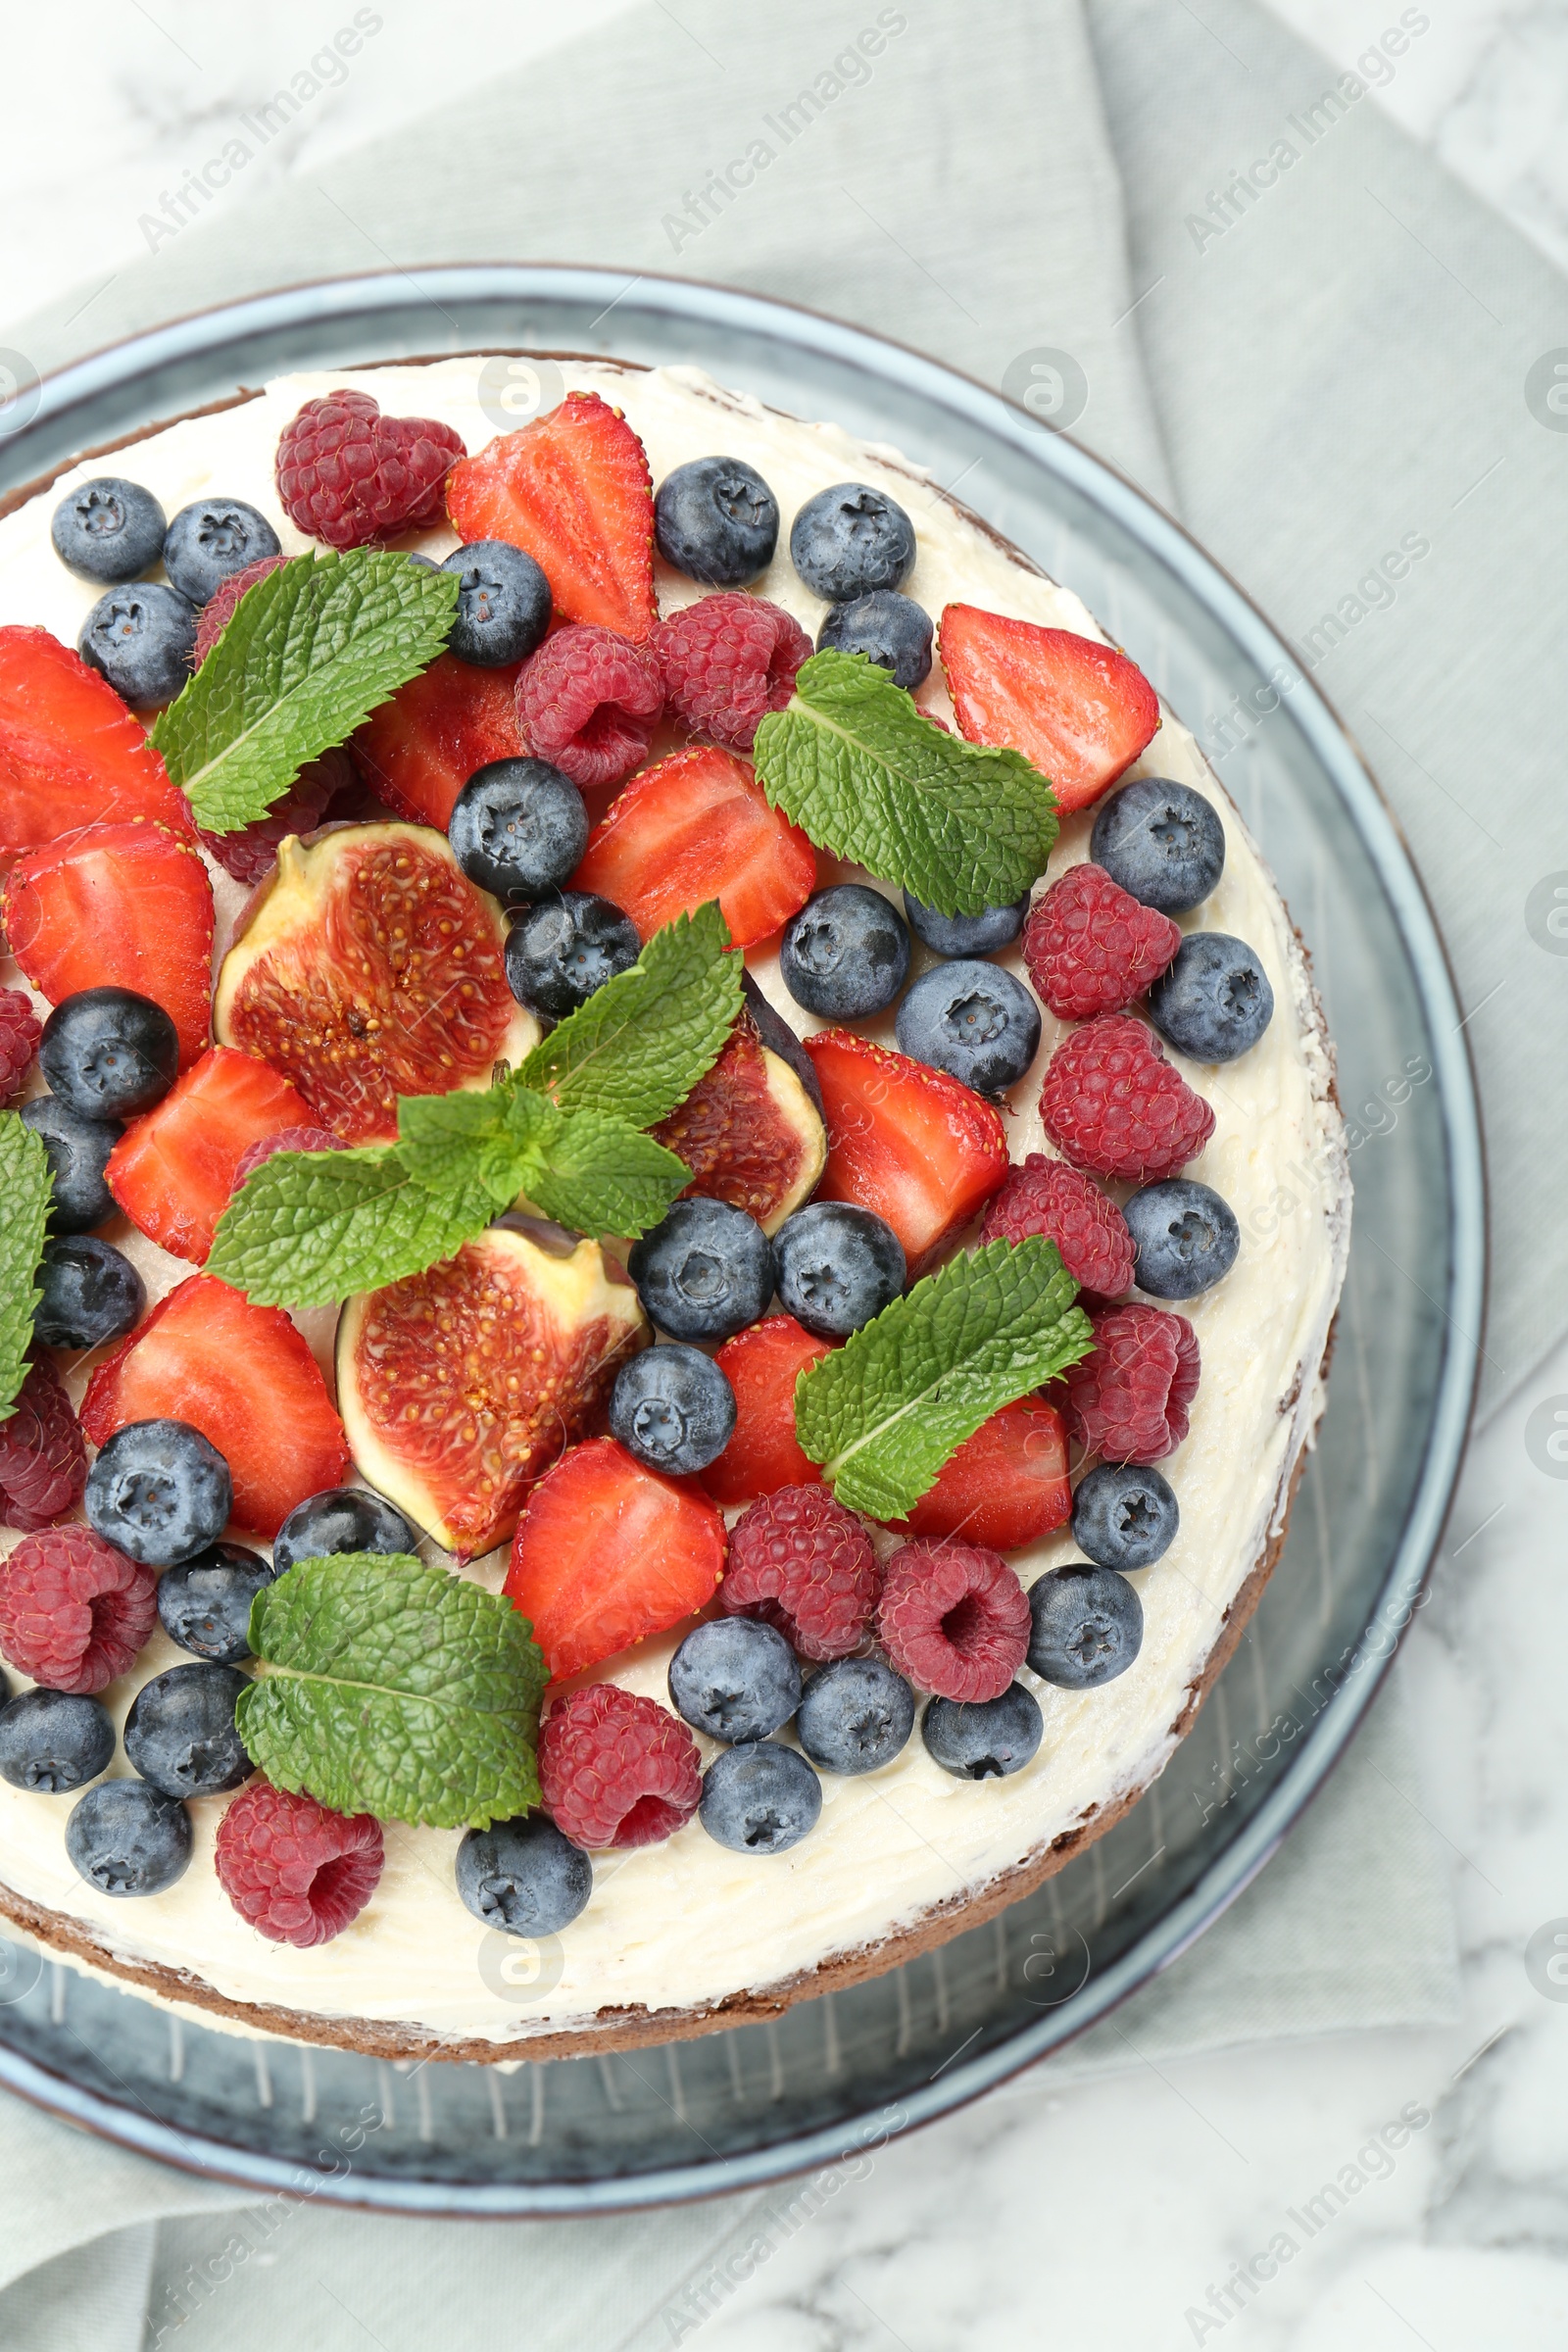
<point x="906" y="1141"/>
<point x="735" y="1679"/>
<point x="503" y="604"/>
<point x="161" y="1490"/>
<point x="77" y="1152"/>
<point x="759" y="1799"/>
<point x="1185" y="1235"/>
<point x="518" y="828"/>
<point x="588" y="702"/>
<point x="251" y="853"/>
<point x="218" y="609"/>
<point x="142" y="639"/>
<point x="180" y="1732"/>
<point x="966" y="934"/>
<point x="1087" y="1626"/>
<point x="287" y="1139"/>
<point x="127" y="908"/>
<point x="616" y="1769"/>
<point x="973" y="1020"/>
<point x="1114" y="1105"/>
<point x="71" y="753"/>
<point x="1079" y="709"/>
<point x="91" y="1293"/>
<point x="108" y="529"/>
<point x="215" y="540"/>
<point x="1129" y="1399"/>
<point x="986" y="1742"/>
<point x="856" y="1716"/>
<point x="127" y="1838"/>
<point x="845" y="955"/>
<point x="563" y="948"/>
<point x="1004" y="1486"/>
<point x="172" y="1173"/>
<point x="1047" y="1197"/>
<point x="848" y="540"/>
<point x="673" y="1409"/>
<point x="1124" y="1515"/>
<point x="1162" y="842"/>
<point x="54" y="1740"/>
<point x="706" y="1271"/>
<point x="1092" y="948"/>
<point x="522" y="1877"/>
<point x="1215" y="1000"/>
<point x="763" y="1366"/>
<point x="694" y="827"/>
<point x="890" y="630"/>
<point x="298" y="1873"/>
<point x="802" y="1563"/>
<point x="717" y="520"/>
<point x="728" y="659"/>
<point x="337" y="1520"/>
<point x="73" y="1609"/>
<point x="43" y="1462"/>
<point x="19" y="1032"/>
<point x="953" y="1617"/>
<point x="350" y="475"/>
<point x="838" y="1266"/>
<point x="418" y="750"/>
<point x="108" y="1054"/>
<point x="205" y="1603"/>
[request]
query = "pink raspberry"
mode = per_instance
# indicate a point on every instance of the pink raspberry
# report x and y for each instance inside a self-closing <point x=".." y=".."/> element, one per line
<point x="219" y="611"/>
<point x="1128" y="1400"/>
<point x="43" y="1460"/>
<point x="251" y="854"/>
<point x="1092" y="948"/>
<point x="953" y="1617"/>
<point x="1115" y="1104"/>
<point x="726" y="661"/>
<point x="287" y="1139"/>
<point x="73" y="1610"/>
<point x="616" y="1769"/>
<point x="807" y="1566"/>
<point x="350" y="475"/>
<point x="298" y="1873"/>
<point x="19" y="1032"/>
<point x="589" y="701"/>
<point x="1047" y="1197"/>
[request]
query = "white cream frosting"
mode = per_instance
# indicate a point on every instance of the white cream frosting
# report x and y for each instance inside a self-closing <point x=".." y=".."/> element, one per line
<point x="680" y="1925"/>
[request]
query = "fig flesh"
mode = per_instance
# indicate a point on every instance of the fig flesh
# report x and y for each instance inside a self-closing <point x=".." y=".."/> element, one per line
<point x="749" y="1131"/>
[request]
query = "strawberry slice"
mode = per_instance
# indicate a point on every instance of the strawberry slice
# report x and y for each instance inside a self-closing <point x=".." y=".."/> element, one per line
<point x="118" y="907"/>
<point x="70" y="753"/>
<point x="419" y="750"/>
<point x="245" y="1378"/>
<point x="905" y="1140"/>
<point x="573" y="488"/>
<point x="1006" y="1485"/>
<point x="695" y="827"/>
<point x="173" y="1171"/>
<point x="761" y="1365"/>
<point x="608" y="1552"/>
<point x="1079" y="709"/>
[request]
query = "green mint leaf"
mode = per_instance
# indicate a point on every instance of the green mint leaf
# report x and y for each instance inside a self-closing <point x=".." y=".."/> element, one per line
<point x="308" y="1228"/>
<point x="385" y="1687"/>
<point x="641" y="1043"/>
<point x="499" y="1138"/>
<point x="882" y="1413"/>
<point x="27" y="1187"/>
<point x="604" y="1177"/>
<point x="310" y="652"/>
<point x="961" y="826"/>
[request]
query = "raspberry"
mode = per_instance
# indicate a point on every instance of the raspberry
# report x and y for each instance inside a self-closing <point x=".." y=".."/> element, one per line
<point x="251" y="854"/>
<point x="616" y="1769"/>
<point x="1128" y="1402"/>
<point x="953" y="1617"/>
<point x="726" y="661"/>
<point x="1115" y="1104"/>
<point x="805" y="1566"/>
<point x="349" y="476"/>
<point x="217" y="613"/>
<point x="1047" y="1197"/>
<point x="73" y="1610"/>
<point x="588" y="701"/>
<point x="298" y="1873"/>
<point x="1092" y="948"/>
<point x="43" y="1461"/>
<point x="19" y="1032"/>
<point x="287" y="1139"/>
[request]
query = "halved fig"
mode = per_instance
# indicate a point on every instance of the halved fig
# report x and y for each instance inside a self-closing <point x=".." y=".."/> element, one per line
<point x="369" y="967"/>
<point x="460" y="1387"/>
<point x="750" y="1132"/>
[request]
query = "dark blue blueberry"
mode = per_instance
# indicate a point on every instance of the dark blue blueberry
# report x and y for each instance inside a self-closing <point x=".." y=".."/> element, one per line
<point x="759" y="1799"/>
<point x="848" y="540"/>
<point x="1124" y="1515"/>
<point x="855" y="1716"/>
<point x="90" y="1292"/>
<point x="52" y="1740"/>
<point x="126" y="1838"/>
<point x="966" y="934"/>
<point x="518" y="828"/>
<point x="1185" y="1235"/>
<point x="717" y="520"/>
<point x="108" y="1054"/>
<point x="1161" y="841"/>
<point x="673" y="1409"/>
<point x="973" y="1020"/>
<point x="523" y="1876"/>
<point x="108" y="529"/>
<point x="561" y="951"/>
<point x="837" y="1266"/>
<point x="705" y="1271"/>
<point x="890" y="629"/>
<point x="1087" y="1625"/>
<point x="1214" y="1000"/>
<point x="735" y="1679"/>
<point x="180" y="1733"/>
<point x="141" y="637"/>
<point x="847" y="954"/>
<point x="160" y="1491"/>
<point x="205" y="1603"/>
<point x="983" y="1740"/>
<point x="340" y="1519"/>
<point x="77" y="1150"/>
<point x="211" y="539"/>
<point x="503" y="604"/>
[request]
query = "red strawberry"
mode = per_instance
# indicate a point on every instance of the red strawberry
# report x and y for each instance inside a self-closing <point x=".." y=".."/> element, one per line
<point x="1006" y="1485"/>
<point x="1091" y="946"/>
<point x="245" y="1378"/>
<point x="906" y="1141"/>
<point x="173" y="1171"/>
<point x="573" y="488"/>
<point x="419" y="750"/>
<point x="761" y="1365"/>
<point x="607" y="1553"/>
<point x="696" y="827"/>
<point x="70" y="753"/>
<point x="118" y="907"/>
<point x="1079" y="709"/>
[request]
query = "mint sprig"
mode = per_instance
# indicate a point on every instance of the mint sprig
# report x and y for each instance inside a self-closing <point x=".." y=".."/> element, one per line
<point x="310" y="652"/>
<point x="385" y="1687"/>
<point x="885" y="1412"/>
<point x="961" y="826"/>
<point x="27" y="1187"/>
<point x="642" y="1042"/>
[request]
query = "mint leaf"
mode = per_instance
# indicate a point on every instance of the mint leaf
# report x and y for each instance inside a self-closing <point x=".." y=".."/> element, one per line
<point x="310" y="652"/>
<point x="499" y="1138"/>
<point x="27" y="1187"/>
<point x="641" y="1043"/>
<point x="308" y="1228"/>
<point x="961" y="826"/>
<point x="388" y="1688"/>
<point x="603" y="1177"/>
<point x="882" y="1413"/>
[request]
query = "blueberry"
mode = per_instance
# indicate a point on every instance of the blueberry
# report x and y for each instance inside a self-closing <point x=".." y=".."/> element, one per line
<point x="1185" y="1235"/>
<point x="1214" y="1000"/>
<point x="837" y="1266"/>
<point x="1161" y="841"/>
<point x="966" y="934"/>
<point x="759" y="1799"/>
<point x="108" y="529"/>
<point x="211" y="539"/>
<point x="205" y="1603"/>
<point x="1124" y="1515"/>
<point x="51" y="1740"/>
<point x="705" y="1271"/>
<point x="523" y="1876"/>
<point x="973" y="1020"/>
<point x="340" y="1519"/>
<point x="180" y="1733"/>
<point x="90" y="1292"/>
<point x="717" y="520"/>
<point x="1087" y="1625"/>
<point x="107" y="1052"/>
<point x="519" y="829"/>
<point x="735" y="1679"/>
<point x="848" y="540"/>
<point x="847" y="954"/>
<point x="983" y="1740"/>
<point x="141" y="638"/>
<point x="126" y="1837"/>
<point x="890" y="629"/>
<point x="503" y="604"/>
<point x="673" y="1409"/>
<point x="160" y="1491"/>
<point x="856" y="1715"/>
<point x="558" y="952"/>
<point x="77" y="1150"/>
